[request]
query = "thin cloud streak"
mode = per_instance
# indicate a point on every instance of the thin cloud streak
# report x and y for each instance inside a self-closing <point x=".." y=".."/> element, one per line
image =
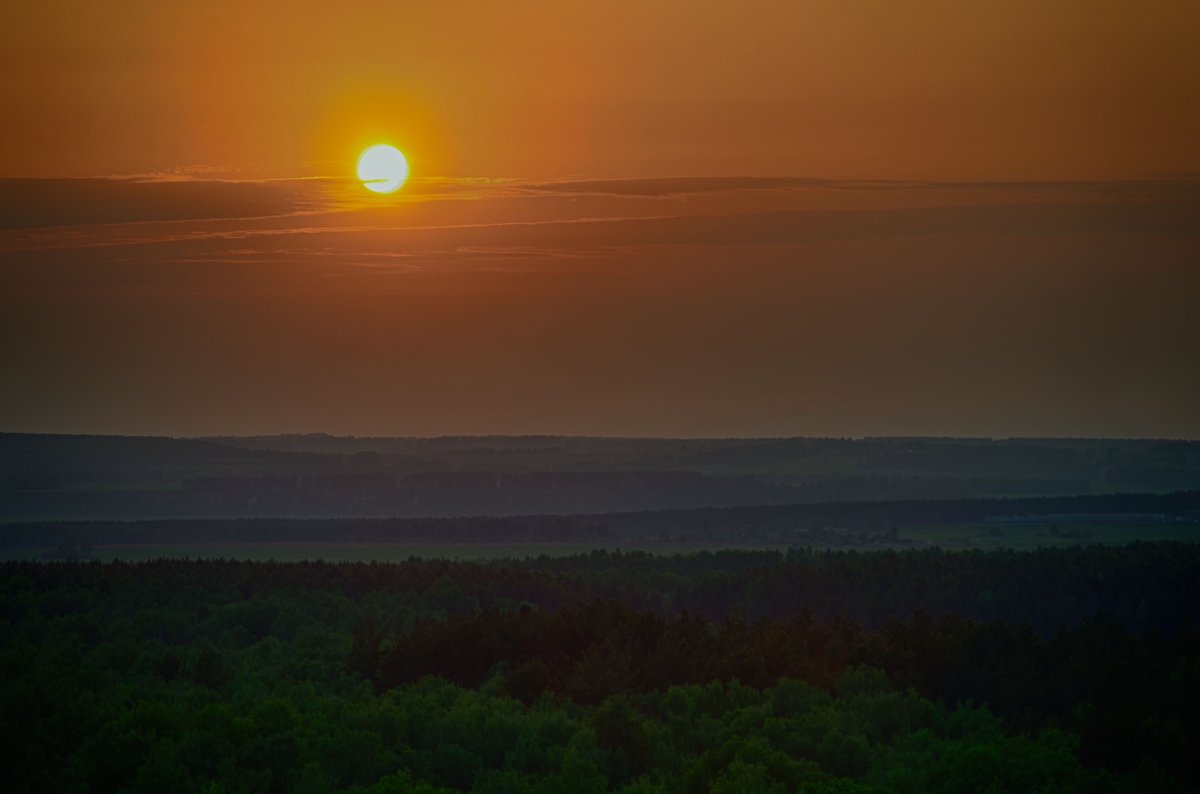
<point x="27" y="205"/>
<point x="1144" y="217"/>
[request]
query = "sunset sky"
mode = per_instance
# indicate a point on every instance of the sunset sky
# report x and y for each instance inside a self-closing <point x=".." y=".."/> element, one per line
<point x="624" y="218"/>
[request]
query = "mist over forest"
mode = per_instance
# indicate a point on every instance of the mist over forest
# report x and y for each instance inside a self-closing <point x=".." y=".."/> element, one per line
<point x="89" y="477"/>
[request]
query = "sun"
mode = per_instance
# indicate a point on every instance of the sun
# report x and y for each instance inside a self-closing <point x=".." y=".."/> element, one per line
<point x="382" y="168"/>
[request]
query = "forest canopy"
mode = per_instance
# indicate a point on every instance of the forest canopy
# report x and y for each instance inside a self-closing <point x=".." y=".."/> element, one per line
<point x="735" y="671"/>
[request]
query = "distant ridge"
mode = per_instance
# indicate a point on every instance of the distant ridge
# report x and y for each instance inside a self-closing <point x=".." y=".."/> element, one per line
<point x="791" y="523"/>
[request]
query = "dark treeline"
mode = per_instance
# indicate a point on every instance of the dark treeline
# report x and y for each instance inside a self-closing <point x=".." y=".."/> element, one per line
<point x="799" y="524"/>
<point x="1094" y="679"/>
<point x="1074" y="669"/>
<point x="1144" y="587"/>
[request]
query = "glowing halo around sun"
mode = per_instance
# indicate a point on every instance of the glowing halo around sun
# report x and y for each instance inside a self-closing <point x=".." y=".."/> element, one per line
<point x="382" y="168"/>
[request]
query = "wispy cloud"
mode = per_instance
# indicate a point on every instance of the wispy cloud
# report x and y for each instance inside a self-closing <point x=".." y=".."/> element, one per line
<point x="674" y="187"/>
<point x="42" y="203"/>
<point x="473" y="217"/>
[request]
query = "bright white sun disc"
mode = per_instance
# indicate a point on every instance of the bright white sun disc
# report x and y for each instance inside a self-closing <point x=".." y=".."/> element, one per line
<point x="382" y="168"/>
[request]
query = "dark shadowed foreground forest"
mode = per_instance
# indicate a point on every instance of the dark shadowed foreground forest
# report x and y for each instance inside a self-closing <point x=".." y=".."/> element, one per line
<point x="1069" y="669"/>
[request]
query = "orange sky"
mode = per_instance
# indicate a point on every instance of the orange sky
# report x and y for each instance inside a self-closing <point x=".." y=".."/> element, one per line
<point x="940" y="89"/>
<point x="625" y="218"/>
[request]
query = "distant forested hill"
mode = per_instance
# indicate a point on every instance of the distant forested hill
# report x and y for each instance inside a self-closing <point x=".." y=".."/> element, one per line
<point x="93" y="477"/>
<point x="806" y="524"/>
